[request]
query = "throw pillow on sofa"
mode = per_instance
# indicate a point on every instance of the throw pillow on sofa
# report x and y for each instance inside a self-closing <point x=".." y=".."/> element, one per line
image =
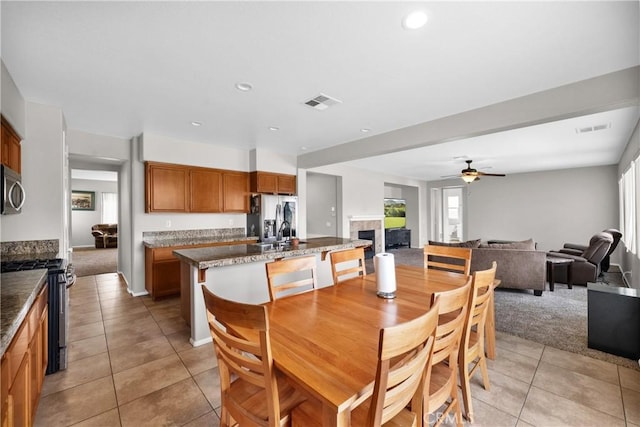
<point x="527" y="245"/>
<point x="468" y="244"/>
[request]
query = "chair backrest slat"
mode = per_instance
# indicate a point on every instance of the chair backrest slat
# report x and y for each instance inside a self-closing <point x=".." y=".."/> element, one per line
<point x="285" y="274"/>
<point x="347" y="263"/>
<point x="448" y="258"/>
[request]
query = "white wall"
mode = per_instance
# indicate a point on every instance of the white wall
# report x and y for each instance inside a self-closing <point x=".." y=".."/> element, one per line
<point x="13" y="105"/>
<point x="629" y="261"/>
<point x="42" y="215"/>
<point x="552" y="207"/>
<point x="269" y="161"/>
<point x="82" y="221"/>
<point x="362" y="193"/>
<point x="322" y="205"/>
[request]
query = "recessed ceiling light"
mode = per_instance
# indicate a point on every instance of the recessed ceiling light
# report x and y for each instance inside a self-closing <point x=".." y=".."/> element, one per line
<point x="365" y="130"/>
<point x="415" y="20"/>
<point x="196" y="124"/>
<point x="244" y="86"/>
<point x="274" y="128"/>
<point x="303" y="148"/>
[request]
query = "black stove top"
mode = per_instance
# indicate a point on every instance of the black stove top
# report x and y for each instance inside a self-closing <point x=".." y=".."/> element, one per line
<point x="32" y="264"/>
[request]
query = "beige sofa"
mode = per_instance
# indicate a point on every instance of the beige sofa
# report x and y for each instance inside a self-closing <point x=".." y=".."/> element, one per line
<point x="517" y="268"/>
<point x="520" y="265"/>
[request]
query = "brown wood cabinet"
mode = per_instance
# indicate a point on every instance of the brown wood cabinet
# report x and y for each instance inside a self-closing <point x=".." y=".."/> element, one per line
<point x="205" y="190"/>
<point x="167" y="188"/>
<point x="162" y="269"/>
<point x="236" y="192"/>
<point x="23" y="366"/>
<point x="272" y="183"/>
<point x="10" y="151"/>
<point x="180" y="188"/>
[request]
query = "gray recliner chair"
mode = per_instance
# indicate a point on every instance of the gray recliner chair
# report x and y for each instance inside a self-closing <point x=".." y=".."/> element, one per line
<point x="586" y="266"/>
<point x="606" y="261"/>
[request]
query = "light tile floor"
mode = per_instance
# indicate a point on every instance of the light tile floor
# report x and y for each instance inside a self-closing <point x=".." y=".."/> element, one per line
<point x="131" y="364"/>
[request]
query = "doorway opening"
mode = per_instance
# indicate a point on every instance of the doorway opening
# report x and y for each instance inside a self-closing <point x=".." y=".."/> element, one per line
<point x="447" y="214"/>
<point x="94" y="223"/>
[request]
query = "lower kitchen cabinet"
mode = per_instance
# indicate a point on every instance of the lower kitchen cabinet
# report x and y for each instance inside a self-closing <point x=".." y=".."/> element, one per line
<point x="23" y="366"/>
<point x="162" y="269"/>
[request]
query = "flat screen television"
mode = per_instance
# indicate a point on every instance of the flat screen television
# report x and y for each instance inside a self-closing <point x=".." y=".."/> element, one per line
<point x="395" y="213"/>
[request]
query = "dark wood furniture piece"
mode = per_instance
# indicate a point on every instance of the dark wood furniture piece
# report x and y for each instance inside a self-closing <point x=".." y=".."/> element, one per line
<point x="554" y="263"/>
<point x="397" y="237"/>
<point x="613" y="320"/>
<point x="344" y="367"/>
<point x="272" y="183"/>
<point x="181" y="188"/>
<point x="10" y="154"/>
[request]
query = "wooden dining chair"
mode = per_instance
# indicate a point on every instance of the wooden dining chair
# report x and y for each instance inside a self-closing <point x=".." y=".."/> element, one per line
<point x="472" y="344"/>
<point x="397" y="385"/>
<point x="448" y="258"/>
<point x="443" y="386"/>
<point x="251" y="392"/>
<point x="285" y="275"/>
<point x="347" y="263"/>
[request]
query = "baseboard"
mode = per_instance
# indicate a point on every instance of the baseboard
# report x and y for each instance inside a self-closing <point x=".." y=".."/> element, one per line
<point x="198" y="343"/>
<point x="617" y="267"/>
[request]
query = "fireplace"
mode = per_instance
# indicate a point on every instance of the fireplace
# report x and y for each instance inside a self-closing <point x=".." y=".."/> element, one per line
<point x="369" y="251"/>
<point x="374" y="223"/>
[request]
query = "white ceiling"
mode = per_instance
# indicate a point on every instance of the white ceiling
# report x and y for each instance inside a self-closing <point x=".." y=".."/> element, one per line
<point x="124" y="68"/>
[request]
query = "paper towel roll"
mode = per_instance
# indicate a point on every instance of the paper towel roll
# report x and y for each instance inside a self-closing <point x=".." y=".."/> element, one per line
<point x="384" y="265"/>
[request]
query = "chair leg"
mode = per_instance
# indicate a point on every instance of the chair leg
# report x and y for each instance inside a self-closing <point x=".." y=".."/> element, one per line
<point x="485" y="373"/>
<point x="465" y="384"/>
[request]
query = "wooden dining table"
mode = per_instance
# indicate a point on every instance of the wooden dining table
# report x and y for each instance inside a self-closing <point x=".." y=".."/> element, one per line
<point x="326" y="340"/>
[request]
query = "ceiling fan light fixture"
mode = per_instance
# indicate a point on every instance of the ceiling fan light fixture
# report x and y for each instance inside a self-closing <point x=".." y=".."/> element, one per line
<point x="468" y="178"/>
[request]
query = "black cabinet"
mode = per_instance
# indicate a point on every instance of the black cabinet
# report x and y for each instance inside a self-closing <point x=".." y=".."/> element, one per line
<point x="397" y="237"/>
<point x="614" y="320"/>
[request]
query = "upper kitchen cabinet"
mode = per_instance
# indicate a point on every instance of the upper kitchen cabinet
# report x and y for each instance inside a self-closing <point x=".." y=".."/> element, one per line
<point x="205" y="190"/>
<point x="236" y="191"/>
<point x="167" y="187"/>
<point x="180" y="188"/>
<point x="272" y="183"/>
<point x="10" y="155"/>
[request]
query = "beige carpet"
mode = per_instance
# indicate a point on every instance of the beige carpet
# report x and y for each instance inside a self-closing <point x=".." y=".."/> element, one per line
<point x="90" y="261"/>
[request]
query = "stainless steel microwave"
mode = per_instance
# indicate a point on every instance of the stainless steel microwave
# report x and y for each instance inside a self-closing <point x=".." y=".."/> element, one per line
<point x="13" y="194"/>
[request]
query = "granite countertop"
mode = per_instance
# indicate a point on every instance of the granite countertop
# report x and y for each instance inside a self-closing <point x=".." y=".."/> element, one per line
<point x="165" y="242"/>
<point x="18" y="291"/>
<point x="219" y="256"/>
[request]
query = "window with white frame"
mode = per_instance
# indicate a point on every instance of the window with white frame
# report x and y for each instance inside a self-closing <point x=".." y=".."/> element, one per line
<point x="109" y="208"/>
<point x="628" y="206"/>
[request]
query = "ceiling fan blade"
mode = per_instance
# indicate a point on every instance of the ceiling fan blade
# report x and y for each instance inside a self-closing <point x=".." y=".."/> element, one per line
<point x="491" y="174"/>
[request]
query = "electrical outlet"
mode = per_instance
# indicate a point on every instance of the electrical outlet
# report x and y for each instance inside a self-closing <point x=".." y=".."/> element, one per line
<point x="167" y="223"/>
<point x="328" y="224"/>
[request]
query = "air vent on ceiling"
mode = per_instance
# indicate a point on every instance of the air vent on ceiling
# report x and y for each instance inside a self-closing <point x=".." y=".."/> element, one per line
<point x="322" y="102"/>
<point x="595" y="128"/>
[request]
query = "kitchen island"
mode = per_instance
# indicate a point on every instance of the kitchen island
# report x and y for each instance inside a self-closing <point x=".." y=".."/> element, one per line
<point x="237" y="272"/>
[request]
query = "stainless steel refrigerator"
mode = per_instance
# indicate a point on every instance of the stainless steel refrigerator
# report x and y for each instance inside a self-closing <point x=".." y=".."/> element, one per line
<point x="272" y="217"/>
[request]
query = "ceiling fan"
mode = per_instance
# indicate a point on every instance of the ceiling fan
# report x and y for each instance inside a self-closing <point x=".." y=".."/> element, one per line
<point x="470" y="174"/>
